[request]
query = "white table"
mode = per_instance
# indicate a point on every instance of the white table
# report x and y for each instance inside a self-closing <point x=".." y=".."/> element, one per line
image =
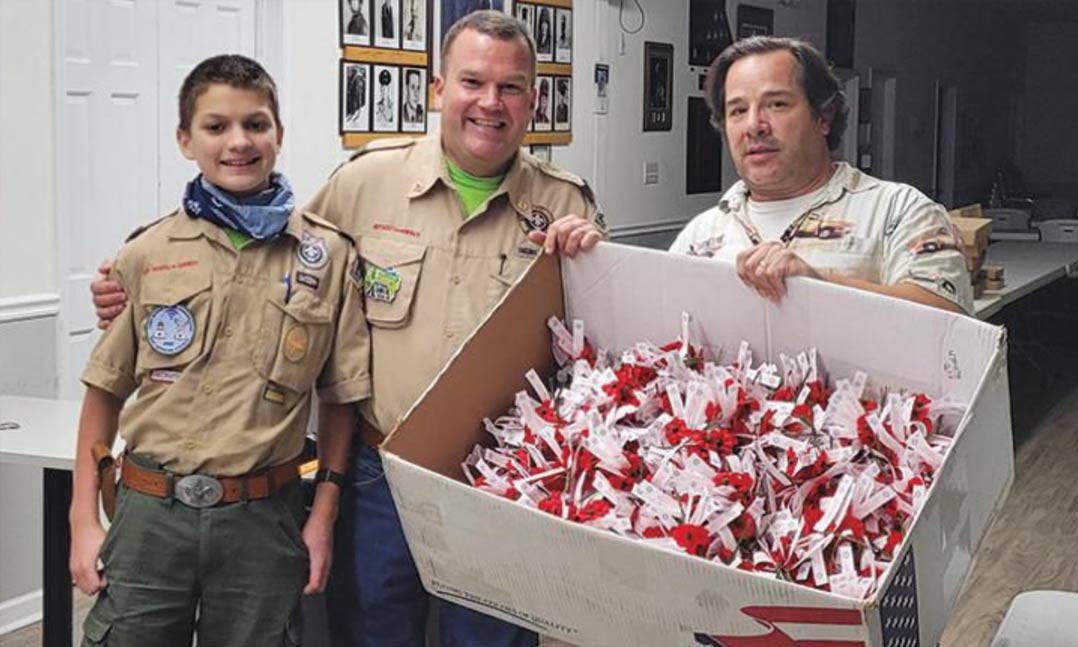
<point x="1028" y="266"/>
<point x="41" y="433"/>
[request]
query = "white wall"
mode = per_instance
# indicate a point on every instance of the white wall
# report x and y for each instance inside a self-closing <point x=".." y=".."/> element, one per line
<point x="27" y="263"/>
<point x="27" y="279"/>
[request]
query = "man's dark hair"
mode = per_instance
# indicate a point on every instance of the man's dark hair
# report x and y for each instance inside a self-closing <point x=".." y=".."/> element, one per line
<point x="496" y="24"/>
<point x="234" y="70"/>
<point x="820" y="84"/>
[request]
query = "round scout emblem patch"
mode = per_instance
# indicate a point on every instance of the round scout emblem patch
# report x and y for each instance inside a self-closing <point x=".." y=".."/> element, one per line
<point x="381" y="283"/>
<point x="539" y="219"/>
<point x="296" y="341"/>
<point x="312" y="251"/>
<point x="170" y="329"/>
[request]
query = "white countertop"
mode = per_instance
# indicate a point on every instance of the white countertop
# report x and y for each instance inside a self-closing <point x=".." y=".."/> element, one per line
<point x="1027" y="266"/>
<point x="45" y="435"/>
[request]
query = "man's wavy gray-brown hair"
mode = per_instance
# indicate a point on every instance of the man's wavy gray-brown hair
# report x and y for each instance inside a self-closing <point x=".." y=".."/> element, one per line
<point x="820" y="84"/>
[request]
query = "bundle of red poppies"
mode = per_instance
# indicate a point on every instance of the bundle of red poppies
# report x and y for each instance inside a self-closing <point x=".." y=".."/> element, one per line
<point x="764" y="468"/>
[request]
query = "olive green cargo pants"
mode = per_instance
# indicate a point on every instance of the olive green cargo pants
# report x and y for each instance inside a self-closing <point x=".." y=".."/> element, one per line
<point x="232" y="574"/>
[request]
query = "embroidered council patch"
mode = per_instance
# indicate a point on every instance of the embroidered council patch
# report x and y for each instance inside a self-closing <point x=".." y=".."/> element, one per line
<point x="381" y="283"/>
<point x="296" y="341"/>
<point x="312" y="251"/>
<point x="170" y="329"/>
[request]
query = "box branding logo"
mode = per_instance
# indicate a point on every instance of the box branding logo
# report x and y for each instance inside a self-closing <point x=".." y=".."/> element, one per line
<point x="771" y="617"/>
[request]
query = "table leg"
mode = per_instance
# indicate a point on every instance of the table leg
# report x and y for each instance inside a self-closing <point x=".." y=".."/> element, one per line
<point x="56" y="581"/>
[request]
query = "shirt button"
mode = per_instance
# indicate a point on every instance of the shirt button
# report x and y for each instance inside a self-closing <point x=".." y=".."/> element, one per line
<point x="449" y="334"/>
<point x="455" y="280"/>
<point x="190" y="444"/>
<point x="228" y="331"/>
<point x="207" y="389"/>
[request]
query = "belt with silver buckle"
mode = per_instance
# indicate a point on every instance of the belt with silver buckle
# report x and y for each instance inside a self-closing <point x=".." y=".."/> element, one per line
<point x="203" y="491"/>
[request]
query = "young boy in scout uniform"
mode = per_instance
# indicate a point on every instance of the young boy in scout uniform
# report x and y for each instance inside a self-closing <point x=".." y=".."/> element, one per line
<point x="237" y="307"/>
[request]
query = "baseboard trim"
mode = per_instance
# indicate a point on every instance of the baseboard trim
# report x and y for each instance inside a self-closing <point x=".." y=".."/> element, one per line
<point x="30" y="306"/>
<point x="19" y="612"/>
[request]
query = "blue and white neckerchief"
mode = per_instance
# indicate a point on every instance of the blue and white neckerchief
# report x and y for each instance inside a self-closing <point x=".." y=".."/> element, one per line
<point x="261" y="216"/>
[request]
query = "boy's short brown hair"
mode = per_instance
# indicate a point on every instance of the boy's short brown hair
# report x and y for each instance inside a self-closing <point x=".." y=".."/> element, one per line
<point x="231" y="69"/>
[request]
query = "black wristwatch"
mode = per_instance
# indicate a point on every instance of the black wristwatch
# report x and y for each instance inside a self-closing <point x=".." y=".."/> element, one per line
<point x="326" y="474"/>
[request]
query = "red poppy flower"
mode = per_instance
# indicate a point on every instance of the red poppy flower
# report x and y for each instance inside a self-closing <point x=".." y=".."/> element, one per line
<point x="597" y="509"/>
<point x="552" y="505"/>
<point x="654" y="532"/>
<point x="783" y="394"/>
<point x="692" y="538"/>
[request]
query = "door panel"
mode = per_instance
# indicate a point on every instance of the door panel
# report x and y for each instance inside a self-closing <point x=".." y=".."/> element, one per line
<point x="121" y="65"/>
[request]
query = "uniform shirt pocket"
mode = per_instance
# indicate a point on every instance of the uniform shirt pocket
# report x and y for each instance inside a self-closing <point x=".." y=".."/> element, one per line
<point x="295" y="338"/>
<point x="391" y="271"/>
<point x="174" y="319"/>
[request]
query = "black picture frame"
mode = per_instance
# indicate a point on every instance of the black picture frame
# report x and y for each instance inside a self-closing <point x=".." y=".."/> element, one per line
<point x="354" y="98"/>
<point x="354" y="32"/>
<point x="545" y="21"/>
<point x="563" y="35"/>
<point x="563" y="103"/>
<point x="386" y="19"/>
<point x="703" y="151"/>
<point x="754" y="21"/>
<point x="385" y="99"/>
<point x="658" y="86"/>
<point x="413" y="120"/>
<point x="415" y="25"/>
<point x="709" y="31"/>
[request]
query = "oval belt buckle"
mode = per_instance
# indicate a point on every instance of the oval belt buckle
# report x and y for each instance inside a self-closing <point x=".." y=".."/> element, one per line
<point x="198" y="491"/>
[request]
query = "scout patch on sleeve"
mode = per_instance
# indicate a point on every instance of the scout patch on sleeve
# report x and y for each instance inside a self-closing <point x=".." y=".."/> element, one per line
<point x="312" y="251"/>
<point x="381" y="283"/>
<point x="170" y="329"/>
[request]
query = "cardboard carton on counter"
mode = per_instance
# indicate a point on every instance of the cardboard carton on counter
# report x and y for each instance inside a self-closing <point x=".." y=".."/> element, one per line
<point x="595" y="588"/>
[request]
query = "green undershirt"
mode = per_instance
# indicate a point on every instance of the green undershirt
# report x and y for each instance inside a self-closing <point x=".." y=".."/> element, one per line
<point x="239" y="240"/>
<point x="473" y="190"/>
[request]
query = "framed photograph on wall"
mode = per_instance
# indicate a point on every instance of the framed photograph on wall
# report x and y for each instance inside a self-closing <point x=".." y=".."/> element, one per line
<point x="414" y="25"/>
<point x="355" y="22"/>
<point x="709" y="31"/>
<point x="525" y="12"/>
<point x="414" y="100"/>
<point x="544" y="33"/>
<point x="544" y="113"/>
<point x="387" y="15"/>
<point x="602" y="88"/>
<point x="542" y="151"/>
<point x="754" y="21"/>
<point x="563" y="105"/>
<point x="563" y="36"/>
<point x="355" y="98"/>
<point x="658" y="86"/>
<point x="386" y="81"/>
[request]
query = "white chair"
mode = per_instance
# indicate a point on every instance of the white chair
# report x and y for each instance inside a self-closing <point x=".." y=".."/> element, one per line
<point x="1040" y="619"/>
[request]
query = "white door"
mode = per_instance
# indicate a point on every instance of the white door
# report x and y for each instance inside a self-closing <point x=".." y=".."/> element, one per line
<point x="106" y="152"/>
<point x="192" y="30"/>
<point x="121" y="65"/>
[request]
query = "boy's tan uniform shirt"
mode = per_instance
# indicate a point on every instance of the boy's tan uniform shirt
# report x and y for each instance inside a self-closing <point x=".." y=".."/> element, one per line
<point x="430" y="272"/>
<point x="236" y="397"/>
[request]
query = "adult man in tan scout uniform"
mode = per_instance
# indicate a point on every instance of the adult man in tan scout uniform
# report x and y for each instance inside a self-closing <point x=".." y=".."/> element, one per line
<point x="794" y="212"/>
<point x="445" y="224"/>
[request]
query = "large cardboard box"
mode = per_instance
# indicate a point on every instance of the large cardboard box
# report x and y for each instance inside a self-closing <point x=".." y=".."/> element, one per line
<point x="594" y="588"/>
